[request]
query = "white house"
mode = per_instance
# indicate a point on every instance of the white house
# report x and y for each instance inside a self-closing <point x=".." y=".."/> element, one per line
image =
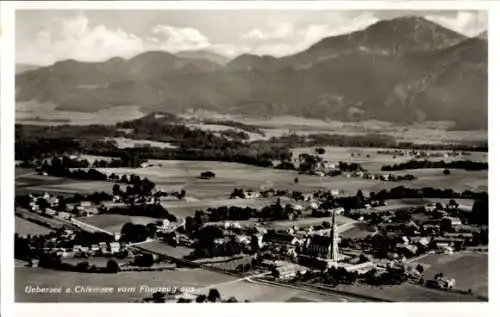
<point x="114" y="247"/>
<point x="334" y="192"/>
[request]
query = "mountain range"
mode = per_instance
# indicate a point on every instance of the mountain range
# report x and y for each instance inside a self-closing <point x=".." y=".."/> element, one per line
<point x="403" y="70"/>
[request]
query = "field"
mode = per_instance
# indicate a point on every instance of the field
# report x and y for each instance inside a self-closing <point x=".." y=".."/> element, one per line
<point x="54" y="222"/>
<point x="425" y="132"/>
<point x="162" y="248"/>
<point x="114" y="223"/>
<point x="258" y="292"/>
<point x="175" y="175"/>
<point x="188" y="208"/>
<point x="50" y="278"/>
<point x="127" y="143"/>
<point x="32" y="183"/>
<point x="25" y="227"/>
<point x="407" y="292"/>
<point x="357" y="231"/>
<point x="26" y="111"/>
<point x="470" y="270"/>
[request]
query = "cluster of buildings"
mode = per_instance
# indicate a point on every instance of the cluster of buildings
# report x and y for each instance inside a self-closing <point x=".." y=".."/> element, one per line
<point x="421" y="154"/>
<point x="58" y="246"/>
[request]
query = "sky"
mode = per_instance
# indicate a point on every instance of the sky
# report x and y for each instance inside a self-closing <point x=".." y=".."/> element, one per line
<point x="46" y="36"/>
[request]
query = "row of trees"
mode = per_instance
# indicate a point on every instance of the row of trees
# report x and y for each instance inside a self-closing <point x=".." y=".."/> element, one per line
<point x="418" y="164"/>
<point x="83" y="267"/>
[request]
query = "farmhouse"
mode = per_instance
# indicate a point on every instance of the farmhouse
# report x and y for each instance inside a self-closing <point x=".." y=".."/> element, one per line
<point x="114" y="247"/>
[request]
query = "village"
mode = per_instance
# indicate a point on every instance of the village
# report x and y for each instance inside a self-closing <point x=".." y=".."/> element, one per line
<point x="330" y="235"/>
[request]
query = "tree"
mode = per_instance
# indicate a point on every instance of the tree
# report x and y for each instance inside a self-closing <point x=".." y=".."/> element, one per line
<point x="232" y="299"/>
<point x="112" y="266"/>
<point x="254" y="244"/>
<point x="201" y="299"/>
<point x="116" y="190"/>
<point x="213" y="295"/>
<point x="296" y="180"/>
<point x="420" y="269"/>
<point x="446" y="172"/>
<point x="479" y="213"/>
<point x="320" y="150"/>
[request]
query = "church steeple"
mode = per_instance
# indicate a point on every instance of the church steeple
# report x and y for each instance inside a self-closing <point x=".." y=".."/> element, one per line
<point x="334" y="248"/>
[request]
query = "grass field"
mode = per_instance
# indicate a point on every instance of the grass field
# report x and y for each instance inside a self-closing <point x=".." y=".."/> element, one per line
<point x="47" y="111"/>
<point x="127" y="143"/>
<point x="469" y="270"/>
<point x="114" y="223"/>
<point x="162" y="248"/>
<point x="188" y="208"/>
<point x="54" y="222"/>
<point x="44" y="278"/>
<point x="25" y="227"/>
<point x="357" y="231"/>
<point x="407" y="293"/>
<point x="174" y="175"/>
<point x="257" y="292"/>
<point x="28" y="182"/>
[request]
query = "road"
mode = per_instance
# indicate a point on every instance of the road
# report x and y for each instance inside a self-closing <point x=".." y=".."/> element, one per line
<point x="204" y="289"/>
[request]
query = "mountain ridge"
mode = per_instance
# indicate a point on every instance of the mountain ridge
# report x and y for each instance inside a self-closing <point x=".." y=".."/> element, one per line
<point x="418" y="71"/>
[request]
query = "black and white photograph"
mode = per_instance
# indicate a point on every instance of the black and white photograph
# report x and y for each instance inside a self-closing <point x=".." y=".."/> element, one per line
<point x="250" y="156"/>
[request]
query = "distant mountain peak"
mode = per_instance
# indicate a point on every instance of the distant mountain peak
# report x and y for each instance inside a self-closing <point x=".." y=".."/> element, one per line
<point x="483" y="35"/>
<point x="204" y="54"/>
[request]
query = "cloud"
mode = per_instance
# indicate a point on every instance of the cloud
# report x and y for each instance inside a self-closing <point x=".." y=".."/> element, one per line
<point x="470" y="23"/>
<point x="292" y="40"/>
<point x="175" y="39"/>
<point x="280" y="30"/>
<point x="279" y="33"/>
<point x="74" y="38"/>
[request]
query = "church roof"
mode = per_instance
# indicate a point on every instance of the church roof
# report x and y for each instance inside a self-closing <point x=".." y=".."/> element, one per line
<point x="320" y="240"/>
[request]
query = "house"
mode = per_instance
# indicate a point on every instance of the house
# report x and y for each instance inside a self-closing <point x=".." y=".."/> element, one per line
<point x="117" y="236"/>
<point x="84" y="203"/>
<point x="53" y="201"/>
<point x="114" y="247"/>
<point x="339" y="211"/>
<point x="330" y="165"/>
<point x="406" y="249"/>
<point x="251" y="195"/>
<point x="275" y="238"/>
<point x="77" y="248"/>
<point x="84" y="249"/>
<point x="450" y="223"/>
<point x="50" y="212"/>
<point x="94" y="247"/>
<point x="243" y="239"/>
<point x="424" y="241"/>
<point x="314" y="205"/>
<point x="467" y="236"/>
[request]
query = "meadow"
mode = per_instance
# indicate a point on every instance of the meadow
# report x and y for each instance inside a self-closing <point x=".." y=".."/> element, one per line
<point x="50" y="115"/>
<point x="25" y="227"/>
<point x="189" y="278"/>
<point x="27" y="182"/>
<point x="130" y="143"/>
<point x="114" y="223"/>
<point x="470" y="270"/>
